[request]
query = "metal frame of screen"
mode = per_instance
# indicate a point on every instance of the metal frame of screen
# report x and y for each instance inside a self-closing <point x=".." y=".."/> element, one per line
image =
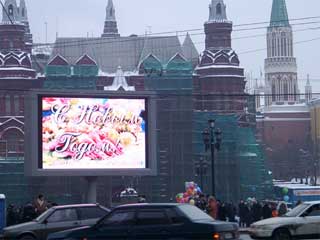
<point x="33" y="134"/>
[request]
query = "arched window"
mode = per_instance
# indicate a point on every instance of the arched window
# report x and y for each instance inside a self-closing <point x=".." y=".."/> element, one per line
<point x="8" y="104"/>
<point x="16" y="104"/>
<point x="10" y="10"/>
<point x="21" y="104"/>
<point x="22" y="13"/>
<point x="219" y="9"/>
<point x="111" y="12"/>
<point x="285" y="47"/>
<point x="286" y="91"/>
<point x="273" y="47"/>
<point x="273" y="93"/>
<point x="12" y="143"/>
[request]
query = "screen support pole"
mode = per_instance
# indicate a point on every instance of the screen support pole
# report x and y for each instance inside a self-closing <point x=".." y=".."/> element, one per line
<point x="91" y="196"/>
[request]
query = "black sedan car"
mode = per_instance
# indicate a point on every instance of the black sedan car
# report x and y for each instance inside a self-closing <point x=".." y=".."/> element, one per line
<point x="56" y="219"/>
<point x="154" y="221"/>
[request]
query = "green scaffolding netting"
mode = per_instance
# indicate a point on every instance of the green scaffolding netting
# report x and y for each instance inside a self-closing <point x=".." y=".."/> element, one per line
<point x="239" y="165"/>
<point x="71" y="77"/>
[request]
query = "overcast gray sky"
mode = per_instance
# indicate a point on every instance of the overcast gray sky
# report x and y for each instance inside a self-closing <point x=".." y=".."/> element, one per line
<point x="81" y="17"/>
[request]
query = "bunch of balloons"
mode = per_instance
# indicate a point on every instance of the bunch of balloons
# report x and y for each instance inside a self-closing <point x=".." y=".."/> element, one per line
<point x="192" y="192"/>
<point x="285" y="192"/>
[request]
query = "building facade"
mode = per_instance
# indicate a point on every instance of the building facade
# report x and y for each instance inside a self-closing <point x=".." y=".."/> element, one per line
<point x="16" y="78"/>
<point x="188" y="93"/>
<point x="284" y="120"/>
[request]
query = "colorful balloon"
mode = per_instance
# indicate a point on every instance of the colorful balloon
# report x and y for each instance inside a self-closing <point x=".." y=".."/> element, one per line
<point x="286" y="198"/>
<point x="285" y="191"/>
<point x="179" y="195"/>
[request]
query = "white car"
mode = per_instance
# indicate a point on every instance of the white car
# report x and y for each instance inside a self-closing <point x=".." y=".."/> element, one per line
<point x="302" y="222"/>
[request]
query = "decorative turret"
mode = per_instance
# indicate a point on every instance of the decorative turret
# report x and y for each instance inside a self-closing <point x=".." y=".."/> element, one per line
<point x="218" y="11"/>
<point x="23" y="11"/>
<point x="308" y="90"/>
<point x="14" y="29"/>
<point x="24" y="19"/>
<point x="218" y="29"/>
<point x="10" y="13"/>
<point x="15" y="49"/>
<point x="110" y="24"/>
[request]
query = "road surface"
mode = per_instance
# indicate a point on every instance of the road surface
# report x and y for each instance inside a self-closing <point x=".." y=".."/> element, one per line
<point x="245" y="237"/>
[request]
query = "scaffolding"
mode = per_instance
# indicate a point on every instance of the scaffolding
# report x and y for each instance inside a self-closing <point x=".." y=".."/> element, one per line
<point x="172" y="83"/>
<point x="71" y="77"/>
<point x="239" y="165"/>
<point x="240" y="168"/>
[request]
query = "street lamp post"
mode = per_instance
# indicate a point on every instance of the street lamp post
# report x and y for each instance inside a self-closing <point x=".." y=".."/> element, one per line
<point x="212" y="139"/>
<point x="201" y="169"/>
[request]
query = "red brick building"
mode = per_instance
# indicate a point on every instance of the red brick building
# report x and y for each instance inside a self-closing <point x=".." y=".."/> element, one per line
<point x="285" y="133"/>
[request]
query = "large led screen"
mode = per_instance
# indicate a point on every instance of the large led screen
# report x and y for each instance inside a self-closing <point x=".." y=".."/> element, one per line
<point x="93" y="133"/>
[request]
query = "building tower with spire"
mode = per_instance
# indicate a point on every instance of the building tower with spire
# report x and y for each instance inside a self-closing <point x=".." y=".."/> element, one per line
<point x="10" y="12"/>
<point x="308" y="90"/>
<point x="23" y="16"/>
<point x="280" y="65"/>
<point x="218" y="71"/>
<point x="15" y="18"/>
<point x="218" y="29"/>
<point x="14" y="49"/>
<point x="110" y="24"/>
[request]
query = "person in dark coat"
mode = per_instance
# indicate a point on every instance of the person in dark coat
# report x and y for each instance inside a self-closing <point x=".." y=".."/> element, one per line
<point x="29" y="213"/>
<point x="222" y="212"/>
<point x="12" y="215"/>
<point x="266" y="211"/>
<point x="248" y="215"/>
<point x="256" y="212"/>
<point x="201" y="202"/>
<point x="231" y="212"/>
<point x="243" y="211"/>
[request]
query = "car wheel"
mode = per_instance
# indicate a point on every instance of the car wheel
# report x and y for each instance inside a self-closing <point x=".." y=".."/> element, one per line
<point x="27" y="237"/>
<point x="281" y="234"/>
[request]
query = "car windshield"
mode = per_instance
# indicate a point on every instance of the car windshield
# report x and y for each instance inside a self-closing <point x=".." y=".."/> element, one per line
<point x="44" y="215"/>
<point x="194" y="213"/>
<point x="297" y="210"/>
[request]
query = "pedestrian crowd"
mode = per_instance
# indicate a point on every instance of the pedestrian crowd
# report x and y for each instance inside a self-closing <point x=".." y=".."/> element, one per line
<point x="28" y="211"/>
<point x="245" y="212"/>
